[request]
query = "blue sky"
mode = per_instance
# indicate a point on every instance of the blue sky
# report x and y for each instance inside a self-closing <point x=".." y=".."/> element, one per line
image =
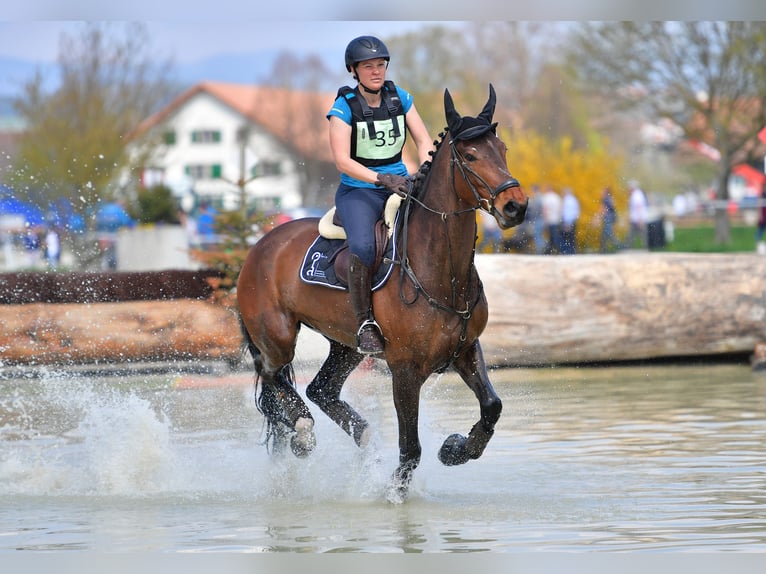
<point x="196" y="29"/>
<point x="192" y="41"/>
<point x="238" y="52"/>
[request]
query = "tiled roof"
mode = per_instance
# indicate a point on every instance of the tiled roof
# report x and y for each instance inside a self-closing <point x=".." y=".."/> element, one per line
<point x="297" y="118"/>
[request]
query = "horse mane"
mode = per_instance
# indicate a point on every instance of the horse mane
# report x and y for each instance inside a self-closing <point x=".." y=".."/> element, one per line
<point x="420" y="179"/>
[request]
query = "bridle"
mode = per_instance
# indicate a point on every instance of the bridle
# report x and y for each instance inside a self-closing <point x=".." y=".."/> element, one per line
<point x="467" y="173"/>
<point x="488" y="205"/>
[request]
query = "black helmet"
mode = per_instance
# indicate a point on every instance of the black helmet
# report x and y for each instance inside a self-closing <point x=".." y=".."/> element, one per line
<point x="365" y="48"/>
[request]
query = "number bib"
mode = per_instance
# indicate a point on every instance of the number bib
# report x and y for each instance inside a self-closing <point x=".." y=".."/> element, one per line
<point x="384" y="144"/>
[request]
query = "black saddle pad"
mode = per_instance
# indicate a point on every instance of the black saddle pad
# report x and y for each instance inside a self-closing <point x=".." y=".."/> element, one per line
<point x="318" y="263"/>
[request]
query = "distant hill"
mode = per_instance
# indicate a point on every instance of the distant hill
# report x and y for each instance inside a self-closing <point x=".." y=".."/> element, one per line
<point x="238" y="68"/>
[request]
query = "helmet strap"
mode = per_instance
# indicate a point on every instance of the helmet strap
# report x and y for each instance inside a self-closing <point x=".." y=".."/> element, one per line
<point x="368" y="90"/>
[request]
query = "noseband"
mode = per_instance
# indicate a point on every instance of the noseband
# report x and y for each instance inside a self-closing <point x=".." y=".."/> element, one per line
<point x="488" y="205"/>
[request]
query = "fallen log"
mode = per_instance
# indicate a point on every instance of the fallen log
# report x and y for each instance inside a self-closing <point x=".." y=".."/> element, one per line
<point x="543" y="310"/>
<point x="136" y="331"/>
<point x="630" y="306"/>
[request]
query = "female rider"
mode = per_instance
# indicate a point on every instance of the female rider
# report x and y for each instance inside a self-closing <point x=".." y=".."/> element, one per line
<point x="368" y="126"/>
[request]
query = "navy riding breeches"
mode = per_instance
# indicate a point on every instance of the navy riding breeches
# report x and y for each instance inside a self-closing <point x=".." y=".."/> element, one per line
<point x="359" y="209"/>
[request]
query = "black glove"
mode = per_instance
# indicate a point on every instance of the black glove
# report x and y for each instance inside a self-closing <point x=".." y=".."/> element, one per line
<point x="398" y="184"/>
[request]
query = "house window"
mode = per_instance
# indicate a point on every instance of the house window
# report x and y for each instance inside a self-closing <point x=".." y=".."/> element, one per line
<point x="264" y="168"/>
<point x="206" y="136"/>
<point x="169" y="138"/>
<point x="204" y="171"/>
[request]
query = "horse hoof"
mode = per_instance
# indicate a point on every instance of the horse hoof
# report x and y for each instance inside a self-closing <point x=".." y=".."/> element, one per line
<point x="397" y="491"/>
<point x="453" y="451"/>
<point x="303" y="441"/>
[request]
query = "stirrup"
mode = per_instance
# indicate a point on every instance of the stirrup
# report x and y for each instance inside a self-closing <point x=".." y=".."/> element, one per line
<point x="367" y="323"/>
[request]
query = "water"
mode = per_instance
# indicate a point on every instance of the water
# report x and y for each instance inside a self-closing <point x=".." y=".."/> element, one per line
<point x="648" y="459"/>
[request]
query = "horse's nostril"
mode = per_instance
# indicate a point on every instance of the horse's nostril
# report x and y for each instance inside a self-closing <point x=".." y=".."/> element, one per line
<point x="512" y="210"/>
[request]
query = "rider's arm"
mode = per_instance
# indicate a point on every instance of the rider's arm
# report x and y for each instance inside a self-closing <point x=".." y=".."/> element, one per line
<point x="419" y="133"/>
<point x="340" y="144"/>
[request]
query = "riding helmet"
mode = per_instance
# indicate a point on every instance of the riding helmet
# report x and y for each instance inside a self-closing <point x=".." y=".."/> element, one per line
<point x="365" y="48"/>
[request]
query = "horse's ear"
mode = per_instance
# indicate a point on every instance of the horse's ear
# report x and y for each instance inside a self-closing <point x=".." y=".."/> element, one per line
<point x="453" y="118"/>
<point x="489" y="107"/>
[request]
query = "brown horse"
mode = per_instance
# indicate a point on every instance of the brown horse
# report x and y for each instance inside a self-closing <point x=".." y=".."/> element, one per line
<point x="431" y="311"/>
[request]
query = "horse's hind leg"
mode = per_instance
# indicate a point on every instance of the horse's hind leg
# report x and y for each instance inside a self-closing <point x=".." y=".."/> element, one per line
<point x="287" y="415"/>
<point x="325" y="390"/>
<point x="279" y="402"/>
<point x="458" y="449"/>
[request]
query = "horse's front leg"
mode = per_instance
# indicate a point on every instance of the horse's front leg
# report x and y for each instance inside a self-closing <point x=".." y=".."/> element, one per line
<point x="458" y="449"/>
<point x="406" y="387"/>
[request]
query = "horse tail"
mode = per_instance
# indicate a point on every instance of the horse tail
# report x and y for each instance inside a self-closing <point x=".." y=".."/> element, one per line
<point x="268" y="401"/>
<point x="285" y="375"/>
<point x="249" y="345"/>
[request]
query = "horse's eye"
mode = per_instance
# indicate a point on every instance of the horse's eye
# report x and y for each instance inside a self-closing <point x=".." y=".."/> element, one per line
<point x="470" y="157"/>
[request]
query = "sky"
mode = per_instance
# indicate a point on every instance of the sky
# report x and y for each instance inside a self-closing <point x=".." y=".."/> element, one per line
<point x="240" y="52"/>
<point x="192" y="31"/>
<point x="196" y="29"/>
<point x="192" y="41"/>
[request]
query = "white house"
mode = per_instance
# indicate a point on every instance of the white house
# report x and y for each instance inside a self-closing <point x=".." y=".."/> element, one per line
<point x="217" y="140"/>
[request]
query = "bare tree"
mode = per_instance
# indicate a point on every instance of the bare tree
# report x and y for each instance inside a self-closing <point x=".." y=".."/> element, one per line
<point x="308" y="85"/>
<point x="75" y="143"/>
<point x="709" y="77"/>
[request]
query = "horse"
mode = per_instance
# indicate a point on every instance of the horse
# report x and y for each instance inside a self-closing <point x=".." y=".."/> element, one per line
<point x="431" y="310"/>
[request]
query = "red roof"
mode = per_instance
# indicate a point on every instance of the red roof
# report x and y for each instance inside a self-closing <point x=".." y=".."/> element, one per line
<point x="296" y="118"/>
<point x="752" y="176"/>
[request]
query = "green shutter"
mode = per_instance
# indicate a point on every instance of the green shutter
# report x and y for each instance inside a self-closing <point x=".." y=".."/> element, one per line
<point x="216" y="170"/>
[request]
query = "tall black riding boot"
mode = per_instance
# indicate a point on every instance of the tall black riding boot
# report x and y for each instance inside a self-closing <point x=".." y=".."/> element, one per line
<point x="369" y="339"/>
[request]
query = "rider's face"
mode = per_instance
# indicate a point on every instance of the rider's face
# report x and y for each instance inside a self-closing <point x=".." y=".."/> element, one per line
<point x="372" y="73"/>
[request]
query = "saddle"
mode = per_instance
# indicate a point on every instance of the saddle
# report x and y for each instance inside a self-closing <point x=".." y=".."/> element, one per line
<point x="384" y="228"/>
<point x="326" y="261"/>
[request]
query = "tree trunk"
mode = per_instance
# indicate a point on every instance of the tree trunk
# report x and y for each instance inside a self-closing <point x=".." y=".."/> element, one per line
<point x="722" y="228"/>
<point x="543" y="310"/>
<point x="134" y="331"/>
<point x="590" y="308"/>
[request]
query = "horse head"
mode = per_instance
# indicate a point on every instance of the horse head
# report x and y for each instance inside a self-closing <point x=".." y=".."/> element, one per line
<point x="479" y="155"/>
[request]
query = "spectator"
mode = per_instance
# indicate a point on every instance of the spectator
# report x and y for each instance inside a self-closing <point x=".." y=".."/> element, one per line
<point x="760" y="245"/>
<point x="52" y="248"/>
<point x="535" y="219"/>
<point x="32" y="247"/>
<point x="206" y="225"/>
<point x="680" y="206"/>
<point x="638" y="209"/>
<point x="608" y="215"/>
<point x="570" y="214"/>
<point x="189" y="225"/>
<point x="552" y="219"/>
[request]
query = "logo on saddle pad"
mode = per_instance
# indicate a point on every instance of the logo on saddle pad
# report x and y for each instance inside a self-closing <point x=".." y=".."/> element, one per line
<point x="313" y="269"/>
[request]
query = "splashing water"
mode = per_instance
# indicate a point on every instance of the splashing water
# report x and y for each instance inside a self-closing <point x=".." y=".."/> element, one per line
<point x="582" y="460"/>
<point x="64" y="436"/>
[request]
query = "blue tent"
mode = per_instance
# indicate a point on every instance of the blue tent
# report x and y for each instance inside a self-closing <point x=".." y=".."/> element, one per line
<point x="62" y="214"/>
<point x="9" y="205"/>
<point x="112" y="216"/>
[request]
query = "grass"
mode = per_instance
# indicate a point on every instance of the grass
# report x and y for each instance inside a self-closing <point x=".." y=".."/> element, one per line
<point x="701" y="239"/>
